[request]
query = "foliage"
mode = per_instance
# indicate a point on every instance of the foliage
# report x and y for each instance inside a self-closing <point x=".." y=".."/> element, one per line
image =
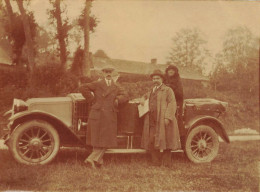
<point x="93" y="21"/>
<point x="59" y="83"/>
<point x="15" y="34"/>
<point x="44" y="41"/>
<point x="76" y="66"/>
<point x="16" y="78"/>
<point x="62" y="27"/>
<point x="243" y="110"/>
<point x="101" y="53"/>
<point x="189" y="49"/>
<point x="238" y="63"/>
<point x="78" y="60"/>
<point x="238" y="47"/>
<point x="30" y="49"/>
<point x="133" y="78"/>
<point x="55" y="13"/>
<point x="48" y="81"/>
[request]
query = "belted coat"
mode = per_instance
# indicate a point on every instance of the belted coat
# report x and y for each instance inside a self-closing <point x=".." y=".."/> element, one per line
<point x="102" y="120"/>
<point x="166" y="137"/>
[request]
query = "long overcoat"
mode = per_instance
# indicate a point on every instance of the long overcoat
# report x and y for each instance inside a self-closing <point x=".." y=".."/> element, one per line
<point x="102" y="120"/>
<point x="166" y="137"/>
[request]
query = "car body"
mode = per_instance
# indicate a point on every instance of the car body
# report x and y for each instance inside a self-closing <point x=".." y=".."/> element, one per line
<point x="38" y="128"/>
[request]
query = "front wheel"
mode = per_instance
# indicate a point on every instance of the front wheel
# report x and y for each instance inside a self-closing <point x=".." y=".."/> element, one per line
<point x="202" y="144"/>
<point x="34" y="142"/>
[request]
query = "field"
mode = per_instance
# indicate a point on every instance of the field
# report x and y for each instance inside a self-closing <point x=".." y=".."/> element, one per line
<point x="234" y="169"/>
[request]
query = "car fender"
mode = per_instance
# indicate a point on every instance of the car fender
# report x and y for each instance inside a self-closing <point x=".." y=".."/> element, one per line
<point x="212" y="122"/>
<point x="62" y="128"/>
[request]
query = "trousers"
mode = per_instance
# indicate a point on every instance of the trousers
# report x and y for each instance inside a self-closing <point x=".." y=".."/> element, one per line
<point x="97" y="155"/>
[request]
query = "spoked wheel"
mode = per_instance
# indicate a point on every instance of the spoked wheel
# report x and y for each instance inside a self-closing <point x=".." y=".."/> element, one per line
<point x="34" y="142"/>
<point x="202" y="144"/>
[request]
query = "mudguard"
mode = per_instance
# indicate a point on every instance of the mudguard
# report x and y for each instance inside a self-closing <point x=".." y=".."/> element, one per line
<point x="61" y="127"/>
<point x="208" y="120"/>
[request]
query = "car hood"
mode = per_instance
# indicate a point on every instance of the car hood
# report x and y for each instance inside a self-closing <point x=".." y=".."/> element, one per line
<point x="207" y="103"/>
<point x="48" y="100"/>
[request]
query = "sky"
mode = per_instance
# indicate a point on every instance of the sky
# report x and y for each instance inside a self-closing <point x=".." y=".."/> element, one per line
<point x="142" y="30"/>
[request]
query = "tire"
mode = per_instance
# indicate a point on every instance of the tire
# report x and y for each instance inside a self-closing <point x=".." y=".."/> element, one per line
<point x="34" y="142"/>
<point x="202" y="144"/>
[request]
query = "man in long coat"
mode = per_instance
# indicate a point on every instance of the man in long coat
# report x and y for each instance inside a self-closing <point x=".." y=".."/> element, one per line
<point x="160" y="132"/>
<point x="105" y="95"/>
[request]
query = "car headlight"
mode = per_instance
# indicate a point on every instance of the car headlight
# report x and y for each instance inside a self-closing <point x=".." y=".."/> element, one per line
<point x="19" y="106"/>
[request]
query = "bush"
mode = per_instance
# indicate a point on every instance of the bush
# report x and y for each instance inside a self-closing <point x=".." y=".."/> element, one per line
<point x="138" y="89"/>
<point x="133" y="78"/>
<point x="50" y="77"/>
<point x="48" y="81"/>
<point x="17" y="78"/>
<point x="101" y="53"/>
<point x="243" y="110"/>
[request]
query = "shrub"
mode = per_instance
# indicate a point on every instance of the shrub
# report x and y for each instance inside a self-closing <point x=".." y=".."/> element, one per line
<point x="50" y="77"/>
<point x="133" y="78"/>
<point x="17" y="78"/>
<point x="243" y="110"/>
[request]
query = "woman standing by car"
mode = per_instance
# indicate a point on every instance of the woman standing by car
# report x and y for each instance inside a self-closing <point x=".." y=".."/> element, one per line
<point x="173" y="80"/>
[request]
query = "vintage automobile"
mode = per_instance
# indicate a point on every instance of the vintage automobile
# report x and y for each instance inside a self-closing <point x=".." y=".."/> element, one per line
<point x="38" y="128"/>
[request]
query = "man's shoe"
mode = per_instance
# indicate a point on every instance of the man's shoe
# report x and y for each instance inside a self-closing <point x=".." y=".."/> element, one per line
<point x="156" y="163"/>
<point x="98" y="165"/>
<point x="90" y="163"/>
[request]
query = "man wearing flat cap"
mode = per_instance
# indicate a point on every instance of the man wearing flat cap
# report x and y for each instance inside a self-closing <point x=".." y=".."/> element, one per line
<point x="160" y="132"/>
<point x="105" y="94"/>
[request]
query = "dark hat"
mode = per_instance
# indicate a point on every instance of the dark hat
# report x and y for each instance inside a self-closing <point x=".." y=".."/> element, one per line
<point x="171" y="67"/>
<point x="157" y="72"/>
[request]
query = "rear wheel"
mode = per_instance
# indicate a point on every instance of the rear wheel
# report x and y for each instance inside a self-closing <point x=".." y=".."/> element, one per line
<point x="34" y="142"/>
<point x="202" y="144"/>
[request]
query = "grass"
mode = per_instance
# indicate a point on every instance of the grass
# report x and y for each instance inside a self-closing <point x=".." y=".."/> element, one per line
<point x="234" y="169"/>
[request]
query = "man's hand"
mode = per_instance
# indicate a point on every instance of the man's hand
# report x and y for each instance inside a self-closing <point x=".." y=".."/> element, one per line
<point x="166" y="122"/>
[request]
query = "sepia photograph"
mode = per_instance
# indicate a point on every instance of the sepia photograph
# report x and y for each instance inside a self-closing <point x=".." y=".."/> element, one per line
<point x="129" y="95"/>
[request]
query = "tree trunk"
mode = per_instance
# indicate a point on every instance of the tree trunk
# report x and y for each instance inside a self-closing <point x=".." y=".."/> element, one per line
<point x="61" y="36"/>
<point x="10" y="12"/>
<point x="11" y="26"/>
<point x="28" y="37"/>
<point x="86" y="67"/>
<point x="187" y="53"/>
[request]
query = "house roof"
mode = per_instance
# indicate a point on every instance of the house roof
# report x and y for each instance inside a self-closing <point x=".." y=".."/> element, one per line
<point x="136" y="67"/>
<point x="125" y="66"/>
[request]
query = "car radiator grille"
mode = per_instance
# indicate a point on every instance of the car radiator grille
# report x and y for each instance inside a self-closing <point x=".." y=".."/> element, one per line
<point x="80" y="114"/>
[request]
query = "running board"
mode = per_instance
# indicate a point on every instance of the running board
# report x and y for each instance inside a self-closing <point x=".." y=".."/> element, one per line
<point x="112" y="151"/>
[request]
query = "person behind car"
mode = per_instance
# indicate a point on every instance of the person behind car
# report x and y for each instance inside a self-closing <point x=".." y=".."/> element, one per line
<point x="105" y="95"/>
<point x="173" y="80"/>
<point x="160" y="131"/>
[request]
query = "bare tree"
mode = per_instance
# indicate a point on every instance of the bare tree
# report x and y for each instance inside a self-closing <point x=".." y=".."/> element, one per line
<point x="86" y="60"/>
<point x="10" y="12"/>
<point x="61" y="38"/>
<point x="63" y="27"/>
<point x="238" y="62"/>
<point x="28" y="37"/>
<point x="15" y="33"/>
<point x="85" y="24"/>
<point x="238" y="46"/>
<point x="188" y="49"/>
